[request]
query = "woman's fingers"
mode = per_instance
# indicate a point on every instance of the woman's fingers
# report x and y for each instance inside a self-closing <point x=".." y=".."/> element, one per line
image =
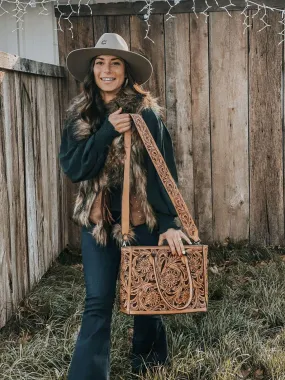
<point x="118" y="120"/>
<point x="119" y="110"/>
<point x="171" y="245"/>
<point x="181" y="245"/>
<point x="125" y="129"/>
<point x="185" y="237"/>
<point x="161" y="239"/>
<point x="178" y="247"/>
<point x="124" y="119"/>
<point x="123" y="125"/>
<point x="174" y="239"/>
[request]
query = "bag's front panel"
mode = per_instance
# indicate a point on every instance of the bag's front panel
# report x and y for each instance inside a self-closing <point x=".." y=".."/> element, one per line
<point x="162" y="283"/>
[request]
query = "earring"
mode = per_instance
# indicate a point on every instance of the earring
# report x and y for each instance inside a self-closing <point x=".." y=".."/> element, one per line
<point x="126" y="82"/>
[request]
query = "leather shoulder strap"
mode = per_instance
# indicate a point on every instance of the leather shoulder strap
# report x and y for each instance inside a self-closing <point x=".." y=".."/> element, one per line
<point x="126" y="186"/>
<point x="166" y="178"/>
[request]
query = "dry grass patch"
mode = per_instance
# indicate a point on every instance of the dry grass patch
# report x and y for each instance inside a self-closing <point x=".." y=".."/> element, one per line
<point x="242" y="336"/>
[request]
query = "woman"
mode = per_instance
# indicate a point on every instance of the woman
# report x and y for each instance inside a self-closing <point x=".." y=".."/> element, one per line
<point x="92" y="153"/>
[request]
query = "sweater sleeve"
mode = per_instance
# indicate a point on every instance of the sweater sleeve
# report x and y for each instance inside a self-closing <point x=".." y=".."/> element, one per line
<point x="82" y="159"/>
<point x="165" y="211"/>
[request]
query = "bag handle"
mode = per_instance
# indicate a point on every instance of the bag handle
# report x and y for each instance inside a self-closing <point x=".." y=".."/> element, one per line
<point x="165" y="176"/>
<point x="184" y="259"/>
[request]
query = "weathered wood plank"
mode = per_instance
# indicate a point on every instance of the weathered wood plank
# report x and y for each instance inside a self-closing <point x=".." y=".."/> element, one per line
<point x="266" y="161"/>
<point x="229" y="127"/>
<point x="82" y="37"/>
<point x="201" y="139"/>
<point x="42" y="180"/>
<point x="99" y="27"/>
<point x="52" y="150"/>
<point x="13" y="141"/>
<point x="19" y="191"/>
<point x="161" y="7"/>
<point x="28" y="108"/>
<point x="121" y="26"/>
<point x="6" y="305"/>
<point x="16" y="63"/>
<point x="178" y="101"/>
<point x="85" y="34"/>
<point x="63" y="190"/>
<point x="9" y="132"/>
<point x="71" y="88"/>
<point x="153" y="51"/>
<point x="61" y="36"/>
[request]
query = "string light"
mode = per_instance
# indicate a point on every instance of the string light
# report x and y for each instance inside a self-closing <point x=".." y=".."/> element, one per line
<point x="205" y="10"/>
<point x="147" y="9"/>
<point x="168" y="14"/>
<point x="21" y="8"/>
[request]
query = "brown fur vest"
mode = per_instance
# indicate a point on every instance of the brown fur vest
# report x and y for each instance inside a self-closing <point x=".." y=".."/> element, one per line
<point x="112" y="173"/>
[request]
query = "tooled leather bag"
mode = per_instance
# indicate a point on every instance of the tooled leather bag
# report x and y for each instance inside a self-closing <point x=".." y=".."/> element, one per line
<point x="152" y="279"/>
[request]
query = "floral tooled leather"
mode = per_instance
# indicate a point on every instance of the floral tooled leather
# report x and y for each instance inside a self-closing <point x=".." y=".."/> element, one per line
<point x="141" y="293"/>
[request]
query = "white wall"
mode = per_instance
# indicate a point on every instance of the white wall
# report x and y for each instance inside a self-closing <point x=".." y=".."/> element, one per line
<point x="37" y="40"/>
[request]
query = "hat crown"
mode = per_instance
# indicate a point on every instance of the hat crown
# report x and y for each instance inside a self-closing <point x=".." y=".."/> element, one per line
<point x="112" y="41"/>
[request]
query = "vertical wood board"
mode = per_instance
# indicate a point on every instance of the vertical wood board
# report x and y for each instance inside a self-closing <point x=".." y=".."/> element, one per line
<point x="266" y="148"/>
<point x="201" y="137"/>
<point x="229" y="126"/>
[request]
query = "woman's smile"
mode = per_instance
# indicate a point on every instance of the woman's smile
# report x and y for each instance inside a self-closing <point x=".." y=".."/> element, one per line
<point x="106" y="79"/>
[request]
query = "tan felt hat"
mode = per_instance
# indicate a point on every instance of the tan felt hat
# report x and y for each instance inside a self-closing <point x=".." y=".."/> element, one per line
<point x="78" y="60"/>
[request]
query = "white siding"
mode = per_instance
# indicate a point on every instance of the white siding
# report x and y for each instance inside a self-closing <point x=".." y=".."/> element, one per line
<point x="35" y="39"/>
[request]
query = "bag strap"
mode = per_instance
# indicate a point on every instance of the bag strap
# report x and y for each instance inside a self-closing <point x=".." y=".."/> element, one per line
<point x="126" y="186"/>
<point x="165" y="176"/>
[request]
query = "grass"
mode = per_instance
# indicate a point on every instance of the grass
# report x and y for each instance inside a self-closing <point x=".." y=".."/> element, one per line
<point x="242" y="336"/>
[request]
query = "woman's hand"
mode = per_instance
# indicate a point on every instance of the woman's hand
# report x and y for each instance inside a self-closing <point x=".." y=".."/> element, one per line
<point x="174" y="238"/>
<point x="121" y="122"/>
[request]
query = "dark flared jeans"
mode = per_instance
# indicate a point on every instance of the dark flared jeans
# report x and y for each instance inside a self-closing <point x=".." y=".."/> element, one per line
<point x="91" y="357"/>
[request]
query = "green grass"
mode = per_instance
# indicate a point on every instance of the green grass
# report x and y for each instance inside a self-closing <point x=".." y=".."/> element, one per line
<point x="242" y="336"/>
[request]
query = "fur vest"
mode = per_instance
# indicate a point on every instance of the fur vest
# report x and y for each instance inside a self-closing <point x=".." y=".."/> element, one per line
<point x="111" y="175"/>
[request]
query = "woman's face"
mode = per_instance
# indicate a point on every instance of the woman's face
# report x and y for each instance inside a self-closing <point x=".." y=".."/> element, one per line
<point x="109" y="74"/>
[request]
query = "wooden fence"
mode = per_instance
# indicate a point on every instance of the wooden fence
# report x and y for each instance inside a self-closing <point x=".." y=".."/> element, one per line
<point x="223" y="89"/>
<point x="32" y="187"/>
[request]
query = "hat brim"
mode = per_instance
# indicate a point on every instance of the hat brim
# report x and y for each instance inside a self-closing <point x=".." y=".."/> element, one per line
<point x="78" y="62"/>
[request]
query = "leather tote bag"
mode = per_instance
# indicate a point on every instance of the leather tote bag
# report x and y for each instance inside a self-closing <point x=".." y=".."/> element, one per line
<point x="152" y="279"/>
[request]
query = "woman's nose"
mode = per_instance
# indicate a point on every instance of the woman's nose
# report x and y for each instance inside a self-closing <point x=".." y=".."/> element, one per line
<point x="108" y="68"/>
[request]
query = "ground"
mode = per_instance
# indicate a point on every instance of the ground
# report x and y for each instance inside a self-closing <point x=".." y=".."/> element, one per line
<point x="242" y="336"/>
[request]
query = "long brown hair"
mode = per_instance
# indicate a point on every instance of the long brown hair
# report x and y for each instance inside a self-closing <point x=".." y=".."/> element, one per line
<point x="93" y="109"/>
